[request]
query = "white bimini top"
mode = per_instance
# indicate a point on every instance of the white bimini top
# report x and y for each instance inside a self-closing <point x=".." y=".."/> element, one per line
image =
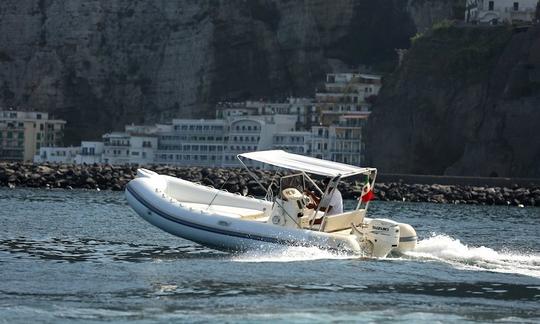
<point x="305" y="163"/>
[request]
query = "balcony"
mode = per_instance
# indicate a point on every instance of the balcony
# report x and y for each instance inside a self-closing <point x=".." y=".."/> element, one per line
<point x="115" y="144"/>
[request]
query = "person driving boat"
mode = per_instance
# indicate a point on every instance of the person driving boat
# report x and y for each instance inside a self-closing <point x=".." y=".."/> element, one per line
<point x="334" y="205"/>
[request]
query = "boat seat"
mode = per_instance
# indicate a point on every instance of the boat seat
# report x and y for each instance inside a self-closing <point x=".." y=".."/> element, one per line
<point x="229" y="211"/>
<point x="343" y="221"/>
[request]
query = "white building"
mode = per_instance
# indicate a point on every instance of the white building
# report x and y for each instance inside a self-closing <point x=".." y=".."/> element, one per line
<point x="216" y="142"/>
<point x="61" y="155"/>
<point x="346" y="93"/>
<point x="193" y="142"/>
<point x="125" y="148"/>
<point x="302" y="108"/>
<point x="493" y="11"/>
<point x="142" y="148"/>
<point x="90" y="153"/>
<point x="116" y="148"/>
<point x="340" y="142"/>
<point x="298" y="142"/>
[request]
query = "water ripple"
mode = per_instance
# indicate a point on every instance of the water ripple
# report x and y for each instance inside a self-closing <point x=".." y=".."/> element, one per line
<point x="83" y="250"/>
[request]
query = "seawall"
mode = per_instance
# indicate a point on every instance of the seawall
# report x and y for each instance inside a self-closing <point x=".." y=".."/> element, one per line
<point x="462" y="190"/>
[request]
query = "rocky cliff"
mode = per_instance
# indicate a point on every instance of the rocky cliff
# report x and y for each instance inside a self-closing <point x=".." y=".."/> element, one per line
<point x="466" y="101"/>
<point x="103" y="63"/>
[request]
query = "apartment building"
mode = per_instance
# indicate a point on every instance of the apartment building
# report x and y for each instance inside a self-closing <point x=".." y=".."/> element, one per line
<point x="60" y="155"/>
<point x="90" y="152"/>
<point x="496" y="11"/>
<point x="192" y="142"/>
<point x="23" y="133"/>
<point x="341" y="141"/>
<point x="345" y="93"/>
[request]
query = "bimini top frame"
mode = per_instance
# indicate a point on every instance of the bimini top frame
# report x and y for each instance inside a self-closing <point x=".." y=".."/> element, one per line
<point x="305" y="164"/>
<point x="309" y="165"/>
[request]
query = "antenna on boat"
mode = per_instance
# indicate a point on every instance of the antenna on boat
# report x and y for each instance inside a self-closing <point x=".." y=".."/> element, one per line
<point x="253" y="175"/>
<point x="217" y="191"/>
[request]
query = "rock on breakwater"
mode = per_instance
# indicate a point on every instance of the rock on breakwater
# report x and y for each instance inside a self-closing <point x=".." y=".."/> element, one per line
<point x="237" y="180"/>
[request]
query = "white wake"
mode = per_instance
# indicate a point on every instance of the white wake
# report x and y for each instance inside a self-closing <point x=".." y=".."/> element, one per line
<point x="440" y="248"/>
<point x="290" y="254"/>
<point x="449" y="250"/>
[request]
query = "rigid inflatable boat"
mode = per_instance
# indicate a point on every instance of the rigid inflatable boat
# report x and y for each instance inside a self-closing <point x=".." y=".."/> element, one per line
<point x="289" y="214"/>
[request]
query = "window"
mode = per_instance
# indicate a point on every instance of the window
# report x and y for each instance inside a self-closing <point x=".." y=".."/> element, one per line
<point x="491" y="5"/>
<point x="516" y="6"/>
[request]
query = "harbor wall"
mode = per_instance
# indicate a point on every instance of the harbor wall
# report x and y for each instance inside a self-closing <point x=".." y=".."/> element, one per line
<point x="389" y="187"/>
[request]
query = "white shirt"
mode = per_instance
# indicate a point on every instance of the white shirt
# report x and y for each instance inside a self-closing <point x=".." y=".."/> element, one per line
<point x="336" y="202"/>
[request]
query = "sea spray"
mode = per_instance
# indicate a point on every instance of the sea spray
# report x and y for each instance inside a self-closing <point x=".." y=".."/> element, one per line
<point x="270" y="253"/>
<point x="447" y="249"/>
<point x="441" y="248"/>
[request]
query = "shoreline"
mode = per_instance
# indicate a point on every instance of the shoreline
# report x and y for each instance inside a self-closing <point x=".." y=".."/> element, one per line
<point x="115" y="177"/>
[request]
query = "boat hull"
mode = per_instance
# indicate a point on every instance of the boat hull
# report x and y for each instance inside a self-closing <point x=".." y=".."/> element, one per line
<point x="148" y="198"/>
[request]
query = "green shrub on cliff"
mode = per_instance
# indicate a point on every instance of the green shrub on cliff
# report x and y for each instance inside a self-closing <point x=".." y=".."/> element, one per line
<point x="459" y="52"/>
<point x="443" y="24"/>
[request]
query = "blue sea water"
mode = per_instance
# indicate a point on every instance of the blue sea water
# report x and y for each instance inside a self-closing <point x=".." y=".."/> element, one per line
<point x="86" y="257"/>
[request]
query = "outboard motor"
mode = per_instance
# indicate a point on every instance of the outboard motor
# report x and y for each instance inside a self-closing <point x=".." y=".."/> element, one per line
<point x="407" y="238"/>
<point x="378" y="237"/>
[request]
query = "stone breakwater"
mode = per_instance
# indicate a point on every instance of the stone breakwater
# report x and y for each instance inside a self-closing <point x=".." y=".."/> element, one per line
<point x="107" y="177"/>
